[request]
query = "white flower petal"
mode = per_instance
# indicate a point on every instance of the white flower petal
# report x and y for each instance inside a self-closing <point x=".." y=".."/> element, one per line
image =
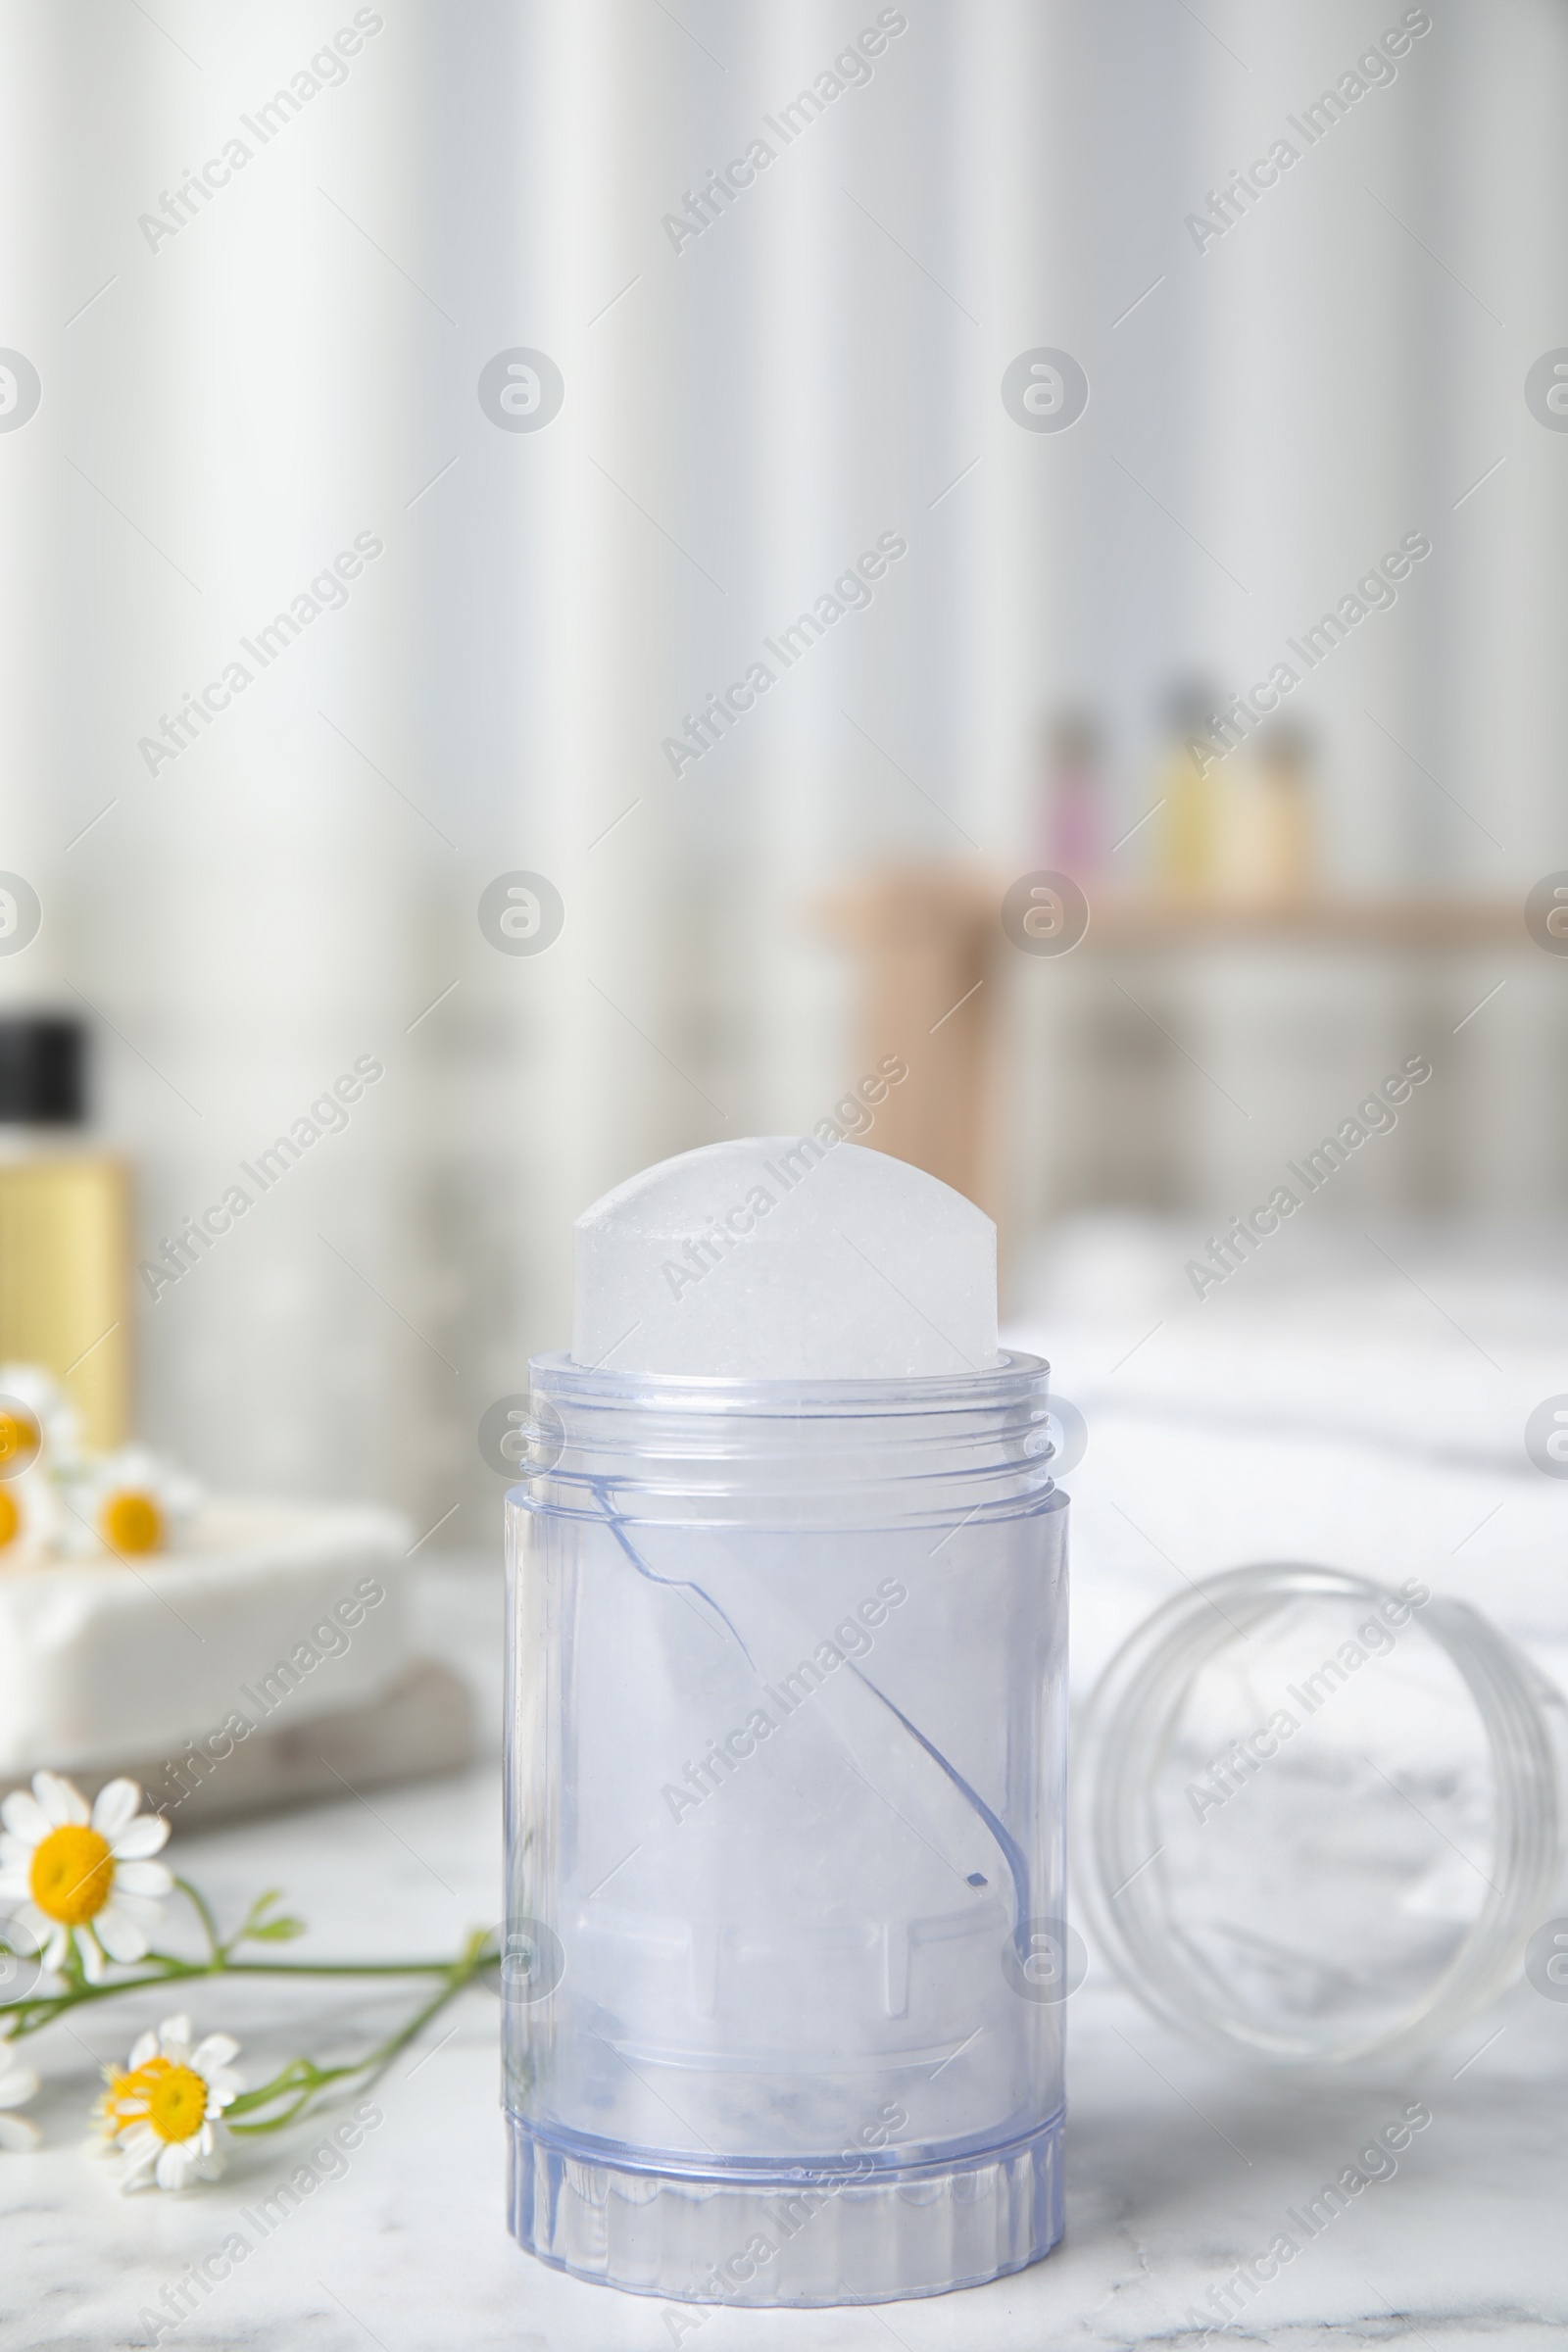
<point x="142" y="1908"/>
<point x="18" y="2085"/>
<point x="174" y="2035"/>
<point x="222" y="2090"/>
<point x="172" y="2165"/>
<point x="92" y="1958"/>
<point x="120" y="1935"/>
<point x="131" y="1466"/>
<point x="118" y="1803"/>
<point x="145" y="2047"/>
<point x="15" y="1880"/>
<point x="143" y="1878"/>
<point x="140" y="2150"/>
<point x="214" y="2050"/>
<point x="25" y="1817"/>
<point x="143" y="1836"/>
<point x="58" y="1800"/>
<point x="57" y="1947"/>
<point x="19" y="2134"/>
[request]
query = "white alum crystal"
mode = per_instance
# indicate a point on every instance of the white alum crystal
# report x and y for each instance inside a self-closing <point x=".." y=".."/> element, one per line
<point x="781" y="1258"/>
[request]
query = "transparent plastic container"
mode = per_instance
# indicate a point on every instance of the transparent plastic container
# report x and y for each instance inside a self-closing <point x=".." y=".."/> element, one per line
<point x="787" y="1960"/>
<point x="1318" y="1818"/>
<point x="786" y="1788"/>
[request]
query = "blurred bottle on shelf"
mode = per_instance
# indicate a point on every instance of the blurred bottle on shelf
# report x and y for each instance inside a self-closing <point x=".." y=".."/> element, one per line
<point x="1267" y="850"/>
<point x="1286" y="815"/>
<point x="1187" y="839"/>
<point x="1072" y="811"/>
<point x="65" y="1227"/>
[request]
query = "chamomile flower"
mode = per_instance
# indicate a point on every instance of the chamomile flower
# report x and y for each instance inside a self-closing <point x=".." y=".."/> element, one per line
<point x="165" y="2112"/>
<point x="39" y="1429"/>
<point x="120" y="2083"/>
<point x="37" y="1416"/>
<point x="126" y="1503"/>
<point x="17" y="2084"/>
<point x="30" y="1516"/>
<point x="80" y="1875"/>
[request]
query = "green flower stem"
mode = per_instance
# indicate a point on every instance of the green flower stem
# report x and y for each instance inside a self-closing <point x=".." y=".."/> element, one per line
<point x="300" y="2079"/>
<point x="43" y="2009"/>
<point x="295" y="2088"/>
<point x="198" y="1904"/>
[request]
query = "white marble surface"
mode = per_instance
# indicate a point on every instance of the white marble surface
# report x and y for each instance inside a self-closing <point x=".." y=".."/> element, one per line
<point x="1178" y="2166"/>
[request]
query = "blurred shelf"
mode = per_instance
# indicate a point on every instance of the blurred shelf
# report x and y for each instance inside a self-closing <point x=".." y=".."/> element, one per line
<point x="1427" y="922"/>
<point x="911" y="904"/>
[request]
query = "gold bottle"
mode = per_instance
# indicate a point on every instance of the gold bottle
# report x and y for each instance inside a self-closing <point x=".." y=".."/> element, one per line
<point x="65" y="1228"/>
<point x="1190" y="818"/>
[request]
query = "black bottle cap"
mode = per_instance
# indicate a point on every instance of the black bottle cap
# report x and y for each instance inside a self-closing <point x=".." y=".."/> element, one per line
<point x="42" y="1070"/>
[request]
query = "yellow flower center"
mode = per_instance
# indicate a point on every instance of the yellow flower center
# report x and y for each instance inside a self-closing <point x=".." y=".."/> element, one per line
<point x="72" y="1872"/>
<point x="10" y="1519"/>
<point x="130" y="1522"/>
<point x="20" y="1438"/>
<point x="121" y="2087"/>
<point x="177" y="2098"/>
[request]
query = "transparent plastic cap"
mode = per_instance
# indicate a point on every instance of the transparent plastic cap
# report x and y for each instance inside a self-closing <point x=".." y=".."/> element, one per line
<point x="1316" y="1818"/>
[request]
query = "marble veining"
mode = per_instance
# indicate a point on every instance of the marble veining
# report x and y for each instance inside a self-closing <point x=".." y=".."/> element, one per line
<point x="1178" y="2167"/>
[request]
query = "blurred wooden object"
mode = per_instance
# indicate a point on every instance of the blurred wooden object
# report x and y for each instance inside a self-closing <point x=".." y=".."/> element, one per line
<point x="934" y="964"/>
<point x="1427" y="922"/>
<point x="927" y="937"/>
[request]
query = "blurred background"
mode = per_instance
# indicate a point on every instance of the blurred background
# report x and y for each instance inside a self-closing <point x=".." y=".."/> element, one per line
<point x="471" y="298"/>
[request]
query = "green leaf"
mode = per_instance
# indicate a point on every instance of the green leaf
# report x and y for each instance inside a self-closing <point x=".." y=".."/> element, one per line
<point x="259" y="1928"/>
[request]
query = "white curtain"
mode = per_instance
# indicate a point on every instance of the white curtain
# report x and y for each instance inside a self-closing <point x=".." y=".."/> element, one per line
<point x="746" y="410"/>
